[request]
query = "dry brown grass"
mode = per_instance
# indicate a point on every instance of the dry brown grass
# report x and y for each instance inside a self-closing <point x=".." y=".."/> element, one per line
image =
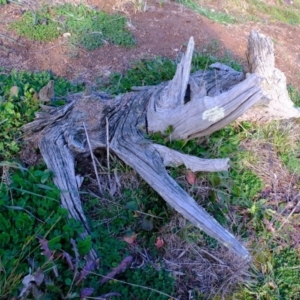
<point x="264" y="148"/>
<point x="198" y="267"/>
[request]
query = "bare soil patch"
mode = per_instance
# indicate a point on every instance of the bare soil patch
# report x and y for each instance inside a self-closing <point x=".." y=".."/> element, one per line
<point x="162" y="30"/>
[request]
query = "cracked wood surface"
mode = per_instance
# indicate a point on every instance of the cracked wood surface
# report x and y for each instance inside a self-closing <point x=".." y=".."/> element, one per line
<point x="215" y="98"/>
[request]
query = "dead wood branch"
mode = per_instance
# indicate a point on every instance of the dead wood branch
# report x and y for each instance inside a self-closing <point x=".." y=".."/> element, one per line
<point x="194" y="105"/>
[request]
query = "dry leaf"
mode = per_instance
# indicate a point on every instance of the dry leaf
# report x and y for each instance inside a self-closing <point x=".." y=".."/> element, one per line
<point x="27" y="285"/>
<point x="48" y="253"/>
<point x="130" y="239"/>
<point x="47" y="92"/>
<point x="86" y="292"/>
<point x="14" y="91"/>
<point x="147" y="224"/>
<point x="190" y="177"/>
<point x="66" y="34"/>
<point x="90" y="266"/>
<point x="120" y="268"/>
<point x="108" y="295"/>
<point x="159" y="243"/>
<point x="269" y="225"/>
<point x="35" y="96"/>
<point x="30" y="284"/>
<point x="39" y="277"/>
<point x="68" y="259"/>
<point x="272" y="285"/>
<point x="44" y="246"/>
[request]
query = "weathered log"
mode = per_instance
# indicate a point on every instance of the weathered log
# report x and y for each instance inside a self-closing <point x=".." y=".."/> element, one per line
<point x="194" y="105"/>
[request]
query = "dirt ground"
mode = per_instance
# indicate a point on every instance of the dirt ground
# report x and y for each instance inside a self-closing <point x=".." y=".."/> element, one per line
<point x="163" y="29"/>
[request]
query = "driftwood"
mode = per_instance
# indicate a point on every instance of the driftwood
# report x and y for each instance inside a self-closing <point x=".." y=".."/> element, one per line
<point x="194" y="105"/>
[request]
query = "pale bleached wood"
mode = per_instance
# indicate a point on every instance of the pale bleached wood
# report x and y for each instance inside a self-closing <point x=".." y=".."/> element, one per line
<point x="127" y="120"/>
<point x="202" y="116"/>
<point x="173" y="94"/>
<point x="158" y="178"/>
<point x="194" y="105"/>
<point x="276" y="103"/>
<point x="60" y="160"/>
<point x="217" y="79"/>
<point x="172" y="158"/>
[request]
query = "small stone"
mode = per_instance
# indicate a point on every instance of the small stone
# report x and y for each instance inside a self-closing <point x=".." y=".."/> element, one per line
<point x="66" y="34"/>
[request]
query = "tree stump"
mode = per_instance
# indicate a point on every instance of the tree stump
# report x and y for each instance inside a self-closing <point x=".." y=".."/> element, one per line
<point x="194" y="105"/>
<point x="276" y="103"/>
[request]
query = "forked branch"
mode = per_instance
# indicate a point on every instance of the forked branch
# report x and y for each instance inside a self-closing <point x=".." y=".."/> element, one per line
<point x="194" y="105"/>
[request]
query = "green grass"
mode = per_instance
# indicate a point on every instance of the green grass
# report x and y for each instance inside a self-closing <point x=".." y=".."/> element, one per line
<point x="38" y="26"/>
<point x="277" y="276"/>
<point x="276" y="269"/>
<point x="89" y="28"/>
<point x="275" y="273"/>
<point x="154" y="71"/>
<point x="236" y="193"/>
<point x="282" y="13"/>
<point x="30" y="204"/>
<point x="291" y="161"/>
<point x="294" y="95"/>
<point x="281" y="137"/>
<point x="211" y="14"/>
<point x="18" y="107"/>
<point x="151" y="278"/>
<point x="233" y="198"/>
<point x="30" y="197"/>
<point x="30" y="208"/>
<point x="243" y="11"/>
<point x="143" y="73"/>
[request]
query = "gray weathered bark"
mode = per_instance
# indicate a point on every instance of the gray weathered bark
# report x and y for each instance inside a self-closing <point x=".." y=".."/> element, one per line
<point x="194" y="105"/>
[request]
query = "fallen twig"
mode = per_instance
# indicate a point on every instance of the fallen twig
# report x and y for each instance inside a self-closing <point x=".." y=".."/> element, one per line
<point x="93" y="159"/>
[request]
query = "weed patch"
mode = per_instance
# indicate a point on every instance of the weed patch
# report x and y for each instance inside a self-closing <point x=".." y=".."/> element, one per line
<point x="153" y="72"/>
<point x="212" y="14"/>
<point x="30" y="208"/>
<point x="278" y="12"/>
<point x="30" y="215"/>
<point x="277" y="276"/>
<point x="38" y="26"/>
<point x="91" y="29"/>
<point x="19" y="102"/>
<point x="88" y="28"/>
<point x="235" y="198"/>
<point x="150" y="282"/>
<point x="294" y="95"/>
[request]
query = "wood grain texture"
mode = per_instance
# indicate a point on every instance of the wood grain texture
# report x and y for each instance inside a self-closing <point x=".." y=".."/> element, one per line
<point x="275" y="103"/>
<point x="215" y="97"/>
